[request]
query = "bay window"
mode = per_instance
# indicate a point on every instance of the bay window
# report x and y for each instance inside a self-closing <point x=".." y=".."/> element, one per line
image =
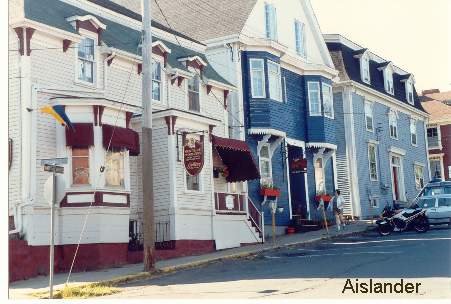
<point x="257" y="70"/>
<point x="156" y="81"/>
<point x="80" y="166"/>
<point x="314" y="97"/>
<point x="274" y="80"/>
<point x="86" y="61"/>
<point x="193" y="93"/>
<point x="114" y="168"/>
<point x="328" y="101"/>
<point x="369" y="116"/>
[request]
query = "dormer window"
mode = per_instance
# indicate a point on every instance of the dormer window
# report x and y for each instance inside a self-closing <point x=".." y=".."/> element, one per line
<point x="409" y="90"/>
<point x="194" y="62"/>
<point x="365" y="68"/>
<point x="271" y="21"/>
<point x="388" y="79"/>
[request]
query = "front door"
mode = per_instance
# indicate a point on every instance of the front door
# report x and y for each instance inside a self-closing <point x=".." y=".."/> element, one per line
<point x="297" y="183"/>
<point x="397" y="179"/>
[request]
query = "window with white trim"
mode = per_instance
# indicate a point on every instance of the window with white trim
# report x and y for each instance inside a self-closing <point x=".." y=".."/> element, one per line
<point x="365" y="68"/>
<point x="369" y="116"/>
<point x="80" y="166"/>
<point x="193" y="93"/>
<point x="314" y="98"/>
<point x="156" y="81"/>
<point x="328" y="101"/>
<point x="114" y="168"/>
<point x="434" y="140"/>
<point x="265" y="164"/>
<point x="388" y="80"/>
<point x="299" y="37"/>
<point x="372" y="161"/>
<point x="274" y="79"/>
<point x="393" y="124"/>
<point x="413" y="132"/>
<point x="374" y="202"/>
<point x="192" y="182"/>
<point x="436" y="167"/>
<point x="86" y="60"/>
<point x="257" y="70"/>
<point x="320" y="181"/>
<point x="271" y="21"/>
<point x="419" y="177"/>
<point x="409" y="91"/>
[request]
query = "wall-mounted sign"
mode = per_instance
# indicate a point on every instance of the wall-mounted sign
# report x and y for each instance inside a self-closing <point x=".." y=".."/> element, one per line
<point x="298" y="165"/>
<point x="193" y="153"/>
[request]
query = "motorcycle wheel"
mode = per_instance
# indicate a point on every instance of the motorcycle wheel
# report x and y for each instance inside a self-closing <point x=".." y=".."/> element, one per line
<point x="385" y="229"/>
<point x="422" y="225"/>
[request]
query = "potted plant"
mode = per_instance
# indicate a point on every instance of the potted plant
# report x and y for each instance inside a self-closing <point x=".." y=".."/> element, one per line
<point x="322" y="195"/>
<point x="268" y="189"/>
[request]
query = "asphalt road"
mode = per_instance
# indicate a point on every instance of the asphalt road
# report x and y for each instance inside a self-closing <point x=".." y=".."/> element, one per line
<point x="318" y="270"/>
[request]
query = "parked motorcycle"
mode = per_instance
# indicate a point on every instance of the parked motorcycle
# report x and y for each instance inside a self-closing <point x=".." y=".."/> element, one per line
<point x="392" y="220"/>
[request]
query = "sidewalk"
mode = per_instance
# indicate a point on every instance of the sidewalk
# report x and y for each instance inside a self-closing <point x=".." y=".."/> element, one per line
<point x="23" y="289"/>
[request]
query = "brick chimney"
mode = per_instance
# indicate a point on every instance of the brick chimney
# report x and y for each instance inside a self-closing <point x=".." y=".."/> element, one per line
<point x="430" y="91"/>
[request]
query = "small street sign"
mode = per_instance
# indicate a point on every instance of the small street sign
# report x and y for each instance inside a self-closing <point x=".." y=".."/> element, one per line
<point x="49" y="168"/>
<point x="54" y="161"/>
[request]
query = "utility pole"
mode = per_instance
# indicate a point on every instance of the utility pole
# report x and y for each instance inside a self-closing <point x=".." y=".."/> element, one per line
<point x="147" y="165"/>
<point x="52" y="233"/>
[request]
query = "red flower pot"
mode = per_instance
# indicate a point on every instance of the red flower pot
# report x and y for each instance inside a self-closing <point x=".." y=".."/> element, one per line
<point x="270" y="192"/>
<point x="326" y="198"/>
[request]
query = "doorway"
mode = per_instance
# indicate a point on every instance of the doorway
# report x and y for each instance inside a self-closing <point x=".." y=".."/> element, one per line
<point x="397" y="178"/>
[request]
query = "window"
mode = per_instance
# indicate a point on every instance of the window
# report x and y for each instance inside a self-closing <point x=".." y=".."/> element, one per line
<point x="372" y="159"/>
<point x="444" y="201"/>
<point x="299" y="33"/>
<point x="193" y="93"/>
<point x="436" y="167"/>
<point x="328" y="101"/>
<point x="369" y="116"/>
<point x="114" y="169"/>
<point x="192" y="182"/>
<point x="413" y="132"/>
<point x="434" y="138"/>
<point x="419" y="177"/>
<point x="409" y="91"/>
<point x="314" y="98"/>
<point x="275" y="90"/>
<point x="257" y="69"/>
<point x="271" y="21"/>
<point x="388" y="76"/>
<point x="393" y="124"/>
<point x="365" y="68"/>
<point x="320" y="182"/>
<point x="86" y="60"/>
<point x="265" y="164"/>
<point x="374" y="202"/>
<point x="156" y="81"/>
<point x="426" y="202"/>
<point x="284" y="86"/>
<point x="80" y="166"/>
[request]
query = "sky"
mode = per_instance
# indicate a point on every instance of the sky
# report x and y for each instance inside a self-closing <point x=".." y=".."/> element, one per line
<point x="414" y="34"/>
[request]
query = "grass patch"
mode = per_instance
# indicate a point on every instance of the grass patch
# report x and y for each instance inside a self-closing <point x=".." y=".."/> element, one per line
<point x="83" y="292"/>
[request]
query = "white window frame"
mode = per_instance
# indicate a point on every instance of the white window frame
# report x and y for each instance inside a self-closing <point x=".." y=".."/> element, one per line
<point x="438" y="158"/>
<point x="388" y="80"/>
<point x="328" y="88"/>
<point x="370" y="105"/>
<point x="415" y="167"/>
<point x="162" y="81"/>
<point x="185" y="175"/>
<point x="90" y="163"/>
<point x="124" y="169"/>
<point x="323" y="173"/>
<point x="271" y="21"/>
<point x="375" y="160"/>
<point x="415" y="127"/>
<point x="309" y="93"/>
<point x="401" y="186"/>
<point x="269" y="160"/>
<point x="252" y="71"/>
<point x="376" y="200"/>
<point x="393" y="121"/>
<point x="199" y="92"/>
<point x="299" y="38"/>
<point x="278" y="81"/>
<point x="94" y="37"/>
<point x="409" y="90"/>
<point x="439" y="137"/>
<point x="365" y="67"/>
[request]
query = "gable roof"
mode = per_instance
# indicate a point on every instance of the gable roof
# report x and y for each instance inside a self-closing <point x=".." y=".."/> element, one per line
<point x="438" y="110"/>
<point x="202" y="20"/>
<point x="54" y="13"/>
<point x="349" y="69"/>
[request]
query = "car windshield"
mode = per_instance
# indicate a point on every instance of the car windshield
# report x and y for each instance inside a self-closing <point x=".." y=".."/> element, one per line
<point x="426" y="202"/>
<point x="437" y="190"/>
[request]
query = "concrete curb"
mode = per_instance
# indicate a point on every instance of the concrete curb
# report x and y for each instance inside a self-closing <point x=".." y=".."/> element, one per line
<point x="170" y="269"/>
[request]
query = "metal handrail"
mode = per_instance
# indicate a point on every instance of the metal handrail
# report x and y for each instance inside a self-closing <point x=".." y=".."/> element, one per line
<point x="257" y="222"/>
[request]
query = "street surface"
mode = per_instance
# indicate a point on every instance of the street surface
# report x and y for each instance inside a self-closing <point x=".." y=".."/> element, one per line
<point x="318" y="270"/>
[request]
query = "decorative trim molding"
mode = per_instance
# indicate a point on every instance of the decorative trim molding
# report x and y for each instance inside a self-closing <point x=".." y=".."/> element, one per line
<point x="263" y="131"/>
<point x="295" y="142"/>
<point x="321" y="145"/>
<point x="397" y="150"/>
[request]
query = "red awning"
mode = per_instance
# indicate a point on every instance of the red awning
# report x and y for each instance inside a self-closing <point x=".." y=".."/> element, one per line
<point x="121" y="138"/>
<point x="81" y="136"/>
<point x="236" y="155"/>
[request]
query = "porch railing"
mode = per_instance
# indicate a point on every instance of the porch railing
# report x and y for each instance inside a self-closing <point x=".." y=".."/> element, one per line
<point x="256" y="218"/>
<point x="229" y="202"/>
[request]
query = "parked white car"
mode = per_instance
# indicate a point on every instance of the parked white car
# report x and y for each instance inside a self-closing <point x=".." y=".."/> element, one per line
<point x="438" y="208"/>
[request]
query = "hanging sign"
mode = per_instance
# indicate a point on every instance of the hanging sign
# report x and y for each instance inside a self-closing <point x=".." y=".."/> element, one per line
<point x="193" y="153"/>
<point x="298" y="165"/>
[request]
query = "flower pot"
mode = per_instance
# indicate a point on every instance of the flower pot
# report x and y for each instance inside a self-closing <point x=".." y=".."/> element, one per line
<point x="270" y="192"/>
<point x="325" y="197"/>
<point x="291" y="230"/>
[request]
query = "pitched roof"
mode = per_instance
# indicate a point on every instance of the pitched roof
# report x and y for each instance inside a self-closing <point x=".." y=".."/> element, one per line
<point x="438" y="110"/>
<point x="441" y="96"/>
<point x="202" y="19"/>
<point x="349" y="68"/>
<point x="54" y="13"/>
